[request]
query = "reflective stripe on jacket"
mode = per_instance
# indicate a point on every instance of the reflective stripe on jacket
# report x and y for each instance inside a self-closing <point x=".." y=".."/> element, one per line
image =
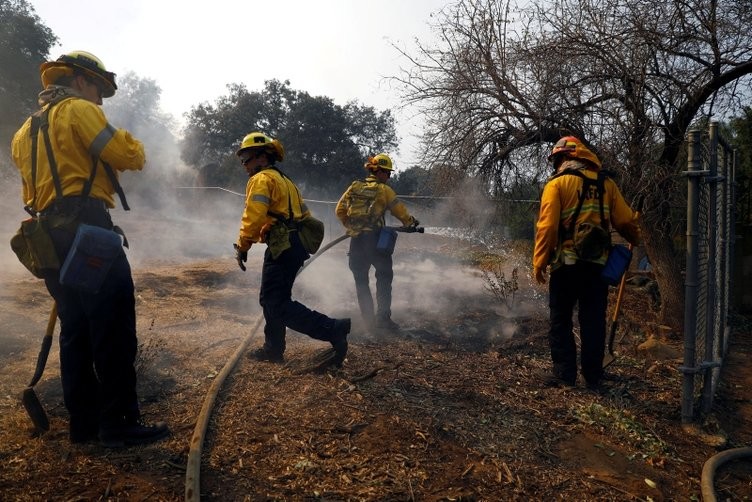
<point x="78" y="129"/>
<point x="268" y="191"/>
<point x="386" y="199"/>
<point x="558" y="204"/>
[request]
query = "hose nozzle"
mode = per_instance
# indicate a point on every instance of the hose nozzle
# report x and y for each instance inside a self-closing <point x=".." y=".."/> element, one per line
<point x="410" y="229"/>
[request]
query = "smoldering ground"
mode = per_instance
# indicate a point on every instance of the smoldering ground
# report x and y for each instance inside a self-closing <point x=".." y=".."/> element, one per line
<point x="197" y="223"/>
<point x="189" y="287"/>
<point x="419" y="421"/>
<point x="194" y="306"/>
<point x="174" y="220"/>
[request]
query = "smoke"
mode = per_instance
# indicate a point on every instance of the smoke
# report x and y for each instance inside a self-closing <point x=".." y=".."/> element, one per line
<point x="174" y="221"/>
<point x="186" y="226"/>
<point x="420" y="284"/>
<point x="165" y="222"/>
<point x="202" y="223"/>
<point x="171" y="219"/>
<point x="465" y="210"/>
<point x="434" y="293"/>
<point x="11" y="205"/>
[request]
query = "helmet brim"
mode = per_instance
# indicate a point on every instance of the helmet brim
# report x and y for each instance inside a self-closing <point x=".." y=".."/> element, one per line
<point x="51" y="71"/>
<point x="269" y="149"/>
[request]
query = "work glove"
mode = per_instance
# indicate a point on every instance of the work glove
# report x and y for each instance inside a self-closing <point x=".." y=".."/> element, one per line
<point x="539" y="274"/>
<point x="415" y="222"/>
<point x="264" y="233"/>
<point x="241" y="257"/>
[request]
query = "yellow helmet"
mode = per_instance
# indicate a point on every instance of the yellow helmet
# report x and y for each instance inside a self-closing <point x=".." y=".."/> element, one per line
<point x="380" y="161"/>
<point x="574" y="148"/>
<point x="260" y="140"/>
<point x="82" y="61"/>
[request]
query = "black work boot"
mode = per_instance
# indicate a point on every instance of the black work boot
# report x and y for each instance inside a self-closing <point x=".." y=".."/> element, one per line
<point x="261" y="354"/>
<point x="131" y="432"/>
<point x="83" y="429"/>
<point x="340" y="330"/>
<point x="369" y="322"/>
<point x="551" y="380"/>
<point x="387" y="324"/>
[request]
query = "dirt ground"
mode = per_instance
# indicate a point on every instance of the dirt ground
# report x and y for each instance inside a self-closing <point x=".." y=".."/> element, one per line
<point x="451" y="407"/>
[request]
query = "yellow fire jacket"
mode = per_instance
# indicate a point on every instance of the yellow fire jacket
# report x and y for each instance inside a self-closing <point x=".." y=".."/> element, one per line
<point x="266" y="192"/>
<point x="558" y="204"/>
<point x="385" y="199"/>
<point x="78" y="128"/>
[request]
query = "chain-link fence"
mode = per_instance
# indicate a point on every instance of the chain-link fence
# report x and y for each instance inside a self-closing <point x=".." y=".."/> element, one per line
<point x="710" y="174"/>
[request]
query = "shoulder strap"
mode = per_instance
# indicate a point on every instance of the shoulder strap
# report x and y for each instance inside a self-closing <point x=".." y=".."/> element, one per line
<point x="44" y="125"/>
<point x="115" y="184"/>
<point x="34" y="130"/>
<point x="356" y="186"/>
<point x="600" y="185"/>
<point x="95" y="150"/>
<point x="41" y="121"/>
<point x="289" y="219"/>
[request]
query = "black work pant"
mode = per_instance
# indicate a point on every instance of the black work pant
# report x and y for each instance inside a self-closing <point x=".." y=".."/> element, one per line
<point x="280" y="310"/>
<point x="362" y="256"/>
<point x="579" y="284"/>
<point x="97" y="337"/>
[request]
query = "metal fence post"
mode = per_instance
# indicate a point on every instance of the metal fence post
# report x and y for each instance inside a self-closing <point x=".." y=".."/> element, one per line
<point x="690" y="280"/>
<point x="713" y="309"/>
<point x="728" y="237"/>
<point x="731" y="154"/>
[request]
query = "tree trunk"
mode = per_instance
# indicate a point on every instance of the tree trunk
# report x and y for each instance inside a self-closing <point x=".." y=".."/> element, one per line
<point x="668" y="275"/>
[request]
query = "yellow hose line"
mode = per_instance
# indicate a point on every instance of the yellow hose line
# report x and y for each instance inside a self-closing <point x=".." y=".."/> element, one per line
<point x="193" y="468"/>
<point x="713" y="463"/>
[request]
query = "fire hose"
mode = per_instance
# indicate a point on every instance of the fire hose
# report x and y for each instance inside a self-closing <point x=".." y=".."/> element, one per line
<point x="405" y="229"/>
<point x="710" y="466"/>
<point x="324" y="250"/>
<point x="193" y="466"/>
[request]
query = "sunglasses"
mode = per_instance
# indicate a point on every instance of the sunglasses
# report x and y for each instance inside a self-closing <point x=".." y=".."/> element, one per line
<point x="251" y="155"/>
<point x="100" y="90"/>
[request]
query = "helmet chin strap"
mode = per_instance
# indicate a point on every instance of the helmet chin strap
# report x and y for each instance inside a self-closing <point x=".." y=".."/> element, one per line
<point x="258" y="169"/>
<point x="557" y="162"/>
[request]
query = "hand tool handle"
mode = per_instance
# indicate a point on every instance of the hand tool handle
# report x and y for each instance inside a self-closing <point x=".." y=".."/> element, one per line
<point x="44" y="351"/>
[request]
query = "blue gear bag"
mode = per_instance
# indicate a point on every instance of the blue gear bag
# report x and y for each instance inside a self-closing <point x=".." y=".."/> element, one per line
<point x="89" y="260"/>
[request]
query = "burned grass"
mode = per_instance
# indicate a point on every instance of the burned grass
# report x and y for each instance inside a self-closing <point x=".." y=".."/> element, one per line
<point x="450" y="407"/>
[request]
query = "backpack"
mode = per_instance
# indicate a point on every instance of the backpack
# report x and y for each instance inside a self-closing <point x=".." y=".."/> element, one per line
<point x="361" y="201"/>
<point x="590" y="241"/>
<point x="310" y="230"/>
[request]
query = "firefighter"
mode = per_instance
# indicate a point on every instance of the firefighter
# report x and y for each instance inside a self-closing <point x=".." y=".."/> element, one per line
<point x="273" y="208"/>
<point x="362" y="209"/>
<point x="69" y="157"/>
<point x="575" y="270"/>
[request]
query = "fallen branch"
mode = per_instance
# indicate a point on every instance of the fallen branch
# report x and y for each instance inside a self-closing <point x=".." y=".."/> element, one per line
<point x="368" y="375"/>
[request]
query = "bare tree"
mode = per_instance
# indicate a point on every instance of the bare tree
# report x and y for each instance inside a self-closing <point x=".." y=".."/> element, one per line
<point x="25" y="42"/>
<point x="627" y="76"/>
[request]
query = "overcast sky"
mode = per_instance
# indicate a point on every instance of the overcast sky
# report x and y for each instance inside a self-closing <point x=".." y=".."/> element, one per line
<point x="337" y="48"/>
